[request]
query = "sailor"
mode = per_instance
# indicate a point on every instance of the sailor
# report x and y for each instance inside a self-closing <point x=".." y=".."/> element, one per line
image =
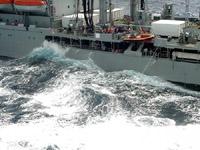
<point x="69" y="29"/>
<point x="82" y="28"/>
<point x="116" y="29"/>
<point x="187" y="34"/>
<point x="129" y="30"/>
<point x="16" y="23"/>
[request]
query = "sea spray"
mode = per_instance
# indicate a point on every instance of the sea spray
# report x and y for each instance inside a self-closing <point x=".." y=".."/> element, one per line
<point x="60" y="103"/>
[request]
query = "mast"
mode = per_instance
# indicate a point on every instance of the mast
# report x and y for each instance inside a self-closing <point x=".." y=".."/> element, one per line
<point x="133" y="8"/>
<point x="77" y="10"/>
<point x="199" y="12"/>
<point x="91" y="12"/>
<point x="110" y="13"/>
<point x="51" y="12"/>
<point x="187" y="9"/>
<point x="103" y="11"/>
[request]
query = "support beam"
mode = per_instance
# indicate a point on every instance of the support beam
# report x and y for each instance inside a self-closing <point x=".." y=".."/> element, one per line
<point x="142" y="5"/>
<point x="110" y="13"/>
<point x="103" y="11"/>
<point x="187" y="10"/>
<point x="199" y="12"/>
<point x="133" y="9"/>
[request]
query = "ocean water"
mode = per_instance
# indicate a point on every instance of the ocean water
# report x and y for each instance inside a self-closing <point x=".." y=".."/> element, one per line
<point x="49" y="102"/>
<point x="156" y="6"/>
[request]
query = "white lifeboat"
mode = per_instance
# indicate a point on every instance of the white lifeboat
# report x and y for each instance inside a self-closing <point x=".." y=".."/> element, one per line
<point x="6" y="5"/>
<point x="30" y="5"/>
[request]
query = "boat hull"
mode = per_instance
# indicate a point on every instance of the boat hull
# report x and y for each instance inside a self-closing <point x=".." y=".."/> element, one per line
<point x="39" y="9"/>
<point x="167" y="69"/>
<point x="6" y="7"/>
<point x="30" y="5"/>
<point x="174" y="71"/>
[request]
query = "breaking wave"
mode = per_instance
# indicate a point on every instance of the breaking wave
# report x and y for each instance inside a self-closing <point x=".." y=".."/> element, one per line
<point x="51" y="102"/>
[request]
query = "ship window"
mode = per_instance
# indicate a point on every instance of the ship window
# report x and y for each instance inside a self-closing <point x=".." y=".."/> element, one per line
<point x="9" y="34"/>
<point x="68" y="6"/>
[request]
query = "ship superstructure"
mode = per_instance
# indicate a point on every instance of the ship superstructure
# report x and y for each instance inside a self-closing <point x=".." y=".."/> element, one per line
<point x="166" y="48"/>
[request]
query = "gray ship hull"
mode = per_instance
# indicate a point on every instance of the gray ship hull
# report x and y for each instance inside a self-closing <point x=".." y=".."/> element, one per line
<point x="166" y="69"/>
<point x="16" y="43"/>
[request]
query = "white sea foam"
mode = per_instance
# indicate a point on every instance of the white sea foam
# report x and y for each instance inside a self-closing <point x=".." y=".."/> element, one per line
<point x="139" y="78"/>
<point x="63" y="100"/>
<point x="49" y="51"/>
<point x="54" y="52"/>
<point x="116" y="133"/>
<point x="4" y="91"/>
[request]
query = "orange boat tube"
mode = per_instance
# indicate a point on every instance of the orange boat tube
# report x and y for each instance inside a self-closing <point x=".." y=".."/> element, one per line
<point x="139" y="37"/>
<point x="30" y="5"/>
<point x="6" y="2"/>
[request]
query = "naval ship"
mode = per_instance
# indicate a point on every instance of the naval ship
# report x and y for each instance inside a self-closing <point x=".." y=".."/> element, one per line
<point x="153" y="44"/>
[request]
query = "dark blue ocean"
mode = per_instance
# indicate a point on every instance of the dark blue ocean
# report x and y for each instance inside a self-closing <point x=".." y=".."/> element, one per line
<point x="49" y="102"/>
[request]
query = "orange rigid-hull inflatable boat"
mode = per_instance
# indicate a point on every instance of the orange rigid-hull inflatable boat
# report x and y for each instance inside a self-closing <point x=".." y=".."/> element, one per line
<point x="30" y="5"/>
<point x="139" y="37"/>
<point x="6" y="5"/>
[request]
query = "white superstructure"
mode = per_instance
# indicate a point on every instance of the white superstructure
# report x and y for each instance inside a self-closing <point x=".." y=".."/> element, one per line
<point x="68" y="7"/>
<point x="70" y="19"/>
<point x="117" y="13"/>
<point x="172" y="28"/>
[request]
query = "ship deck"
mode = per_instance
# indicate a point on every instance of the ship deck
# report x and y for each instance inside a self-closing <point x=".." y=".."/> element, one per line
<point x="174" y="44"/>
